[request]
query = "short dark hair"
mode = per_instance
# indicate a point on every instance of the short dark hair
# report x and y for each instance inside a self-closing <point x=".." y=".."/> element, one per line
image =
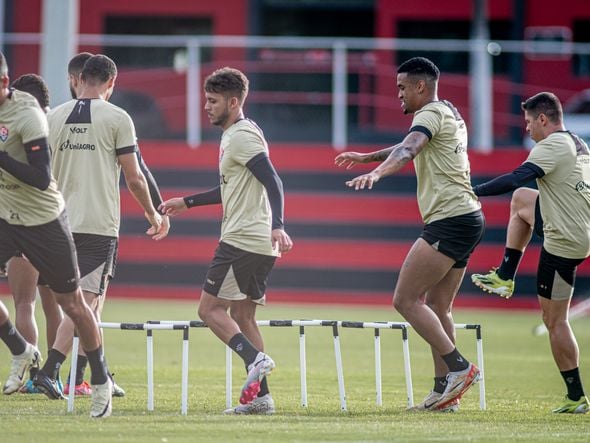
<point x="544" y="103"/>
<point x="3" y="65"/>
<point x="419" y="66"/>
<point x="229" y="82"/>
<point x="99" y="69"/>
<point x="77" y="62"/>
<point x="34" y="85"/>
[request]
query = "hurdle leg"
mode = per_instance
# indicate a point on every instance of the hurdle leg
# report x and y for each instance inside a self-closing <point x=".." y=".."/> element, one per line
<point x="482" y="388"/>
<point x="184" y="390"/>
<point x="228" y="377"/>
<point x="150" y="370"/>
<point x="407" y="368"/>
<point x="339" y="369"/>
<point x="378" y="385"/>
<point x="73" y="363"/>
<point x="302" y="366"/>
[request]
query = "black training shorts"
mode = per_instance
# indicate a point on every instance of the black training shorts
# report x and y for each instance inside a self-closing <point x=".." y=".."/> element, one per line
<point x="556" y="276"/>
<point x="456" y="237"/>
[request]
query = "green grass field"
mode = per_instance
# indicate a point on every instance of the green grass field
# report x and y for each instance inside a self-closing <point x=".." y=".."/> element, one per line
<point x="522" y="385"/>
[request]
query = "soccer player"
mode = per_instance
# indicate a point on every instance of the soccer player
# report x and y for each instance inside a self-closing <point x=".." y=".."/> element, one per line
<point x="454" y="223"/>
<point x="33" y="221"/>
<point x="560" y="213"/>
<point x="252" y="234"/>
<point x="92" y="142"/>
<point x="22" y="276"/>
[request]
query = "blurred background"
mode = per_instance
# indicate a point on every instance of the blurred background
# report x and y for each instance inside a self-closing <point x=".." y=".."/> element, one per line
<point x="322" y="76"/>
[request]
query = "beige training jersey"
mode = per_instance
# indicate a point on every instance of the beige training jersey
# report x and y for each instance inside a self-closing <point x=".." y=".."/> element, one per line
<point x="246" y="220"/>
<point x="442" y="168"/>
<point x="564" y="194"/>
<point x="22" y="121"/>
<point x="86" y="137"/>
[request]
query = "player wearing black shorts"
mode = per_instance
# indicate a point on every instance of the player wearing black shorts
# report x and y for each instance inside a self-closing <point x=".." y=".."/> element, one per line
<point x="560" y="163"/>
<point x="33" y="221"/>
<point x="454" y="223"/>
<point x="252" y="234"/>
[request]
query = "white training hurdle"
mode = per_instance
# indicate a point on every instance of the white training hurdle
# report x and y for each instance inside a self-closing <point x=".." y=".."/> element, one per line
<point x="148" y="327"/>
<point x="335" y="324"/>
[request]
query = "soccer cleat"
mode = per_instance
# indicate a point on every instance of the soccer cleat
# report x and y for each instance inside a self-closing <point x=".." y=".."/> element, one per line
<point x="48" y="386"/>
<point x="29" y="388"/>
<point x="457" y="384"/>
<point x="102" y="404"/>
<point x="81" y="389"/>
<point x="429" y="404"/>
<point x="264" y="405"/>
<point x="493" y="284"/>
<point x="581" y="406"/>
<point x="260" y="368"/>
<point x="20" y="367"/>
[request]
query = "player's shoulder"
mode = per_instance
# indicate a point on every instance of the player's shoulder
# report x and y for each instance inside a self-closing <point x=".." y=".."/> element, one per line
<point x="59" y="109"/>
<point x="24" y="99"/>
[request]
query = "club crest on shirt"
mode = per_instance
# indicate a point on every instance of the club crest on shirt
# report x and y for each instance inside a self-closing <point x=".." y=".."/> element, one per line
<point x="3" y="133"/>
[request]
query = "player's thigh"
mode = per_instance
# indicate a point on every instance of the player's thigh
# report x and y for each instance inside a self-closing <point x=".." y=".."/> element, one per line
<point x="556" y="276"/>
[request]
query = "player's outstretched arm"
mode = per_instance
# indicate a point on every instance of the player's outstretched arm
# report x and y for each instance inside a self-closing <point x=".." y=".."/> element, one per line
<point x="349" y="159"/>
<point x="399" y="156"/>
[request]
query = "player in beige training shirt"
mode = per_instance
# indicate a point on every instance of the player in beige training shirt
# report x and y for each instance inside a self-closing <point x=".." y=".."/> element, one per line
<point x="559" y="212"/>
<point x="454" y="223"/>
<point x="33" y="222"/>
<point x="252" y="234"/>
<point x="92" y="142"/>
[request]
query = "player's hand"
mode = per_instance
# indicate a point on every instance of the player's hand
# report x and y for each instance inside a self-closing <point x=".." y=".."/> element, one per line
<point x="281" y="240"/>
<point x="173" y="207"/>
<point x="362" y="181"/>
<point x="155" y="220"/>
<point x="164" y="229"/>
<point x="349" y="159"/>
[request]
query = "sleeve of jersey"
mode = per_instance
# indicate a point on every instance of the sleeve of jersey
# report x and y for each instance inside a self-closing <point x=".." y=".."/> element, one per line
<point x="509" y="182"/>
<point x="265" y="173"/>
<point x="33" y="125"/>
<point x="245" y="145"/>
<point x="126" y="139"/>
<point x="37" y="172"/>
<point x="427" y="122"/>
<point x="543" y="156"/>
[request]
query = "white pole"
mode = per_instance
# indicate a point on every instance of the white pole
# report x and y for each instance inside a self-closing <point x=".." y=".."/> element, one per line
<point x="482" y="386"/>
<point x="302" y="366"/>
<point x="407" y="369"/>
<point x="184" y="392"/>
<point x="378" y="386"/>
<point x="193" y="94"/>
<point x="150" y="370"/>
<point x="339" y="369"/>
<point x="72" y="381"/>
<point x="339" y="94"/>
<point x="228" y="377"/>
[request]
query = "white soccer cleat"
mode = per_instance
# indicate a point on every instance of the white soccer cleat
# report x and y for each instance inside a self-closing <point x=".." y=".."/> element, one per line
<point x="264" y="405"/>
<point x="457" y="384"/>
<point x="429" y="404"/>
<point x="260" y="368"/>
<point x="19" y="367"/>
<point x="102" y="404"/>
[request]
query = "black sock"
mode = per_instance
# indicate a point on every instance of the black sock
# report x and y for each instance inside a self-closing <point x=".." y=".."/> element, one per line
<point x="81" y="368"/>
<point x="242" y="346"/>
<point x="263" y="388"/>
<point x="32" y="372"/>
<point x="53" y="363"/>
<point x="97" y="366"/>
<point x="509" y="265"/>
<point x="573" y="384"/>
<point x="455" y="361"/>
<point x="440" y="384"/>
<point x="15" y="342"/>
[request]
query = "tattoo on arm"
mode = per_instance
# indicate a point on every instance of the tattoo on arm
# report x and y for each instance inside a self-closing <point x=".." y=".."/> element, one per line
<point x="382" y="155"/>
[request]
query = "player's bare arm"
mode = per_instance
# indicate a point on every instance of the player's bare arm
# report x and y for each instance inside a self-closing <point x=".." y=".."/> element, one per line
<point x="349" y="159"/>
<point x="138" y="187"/>
<point x="400" y="155"/>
